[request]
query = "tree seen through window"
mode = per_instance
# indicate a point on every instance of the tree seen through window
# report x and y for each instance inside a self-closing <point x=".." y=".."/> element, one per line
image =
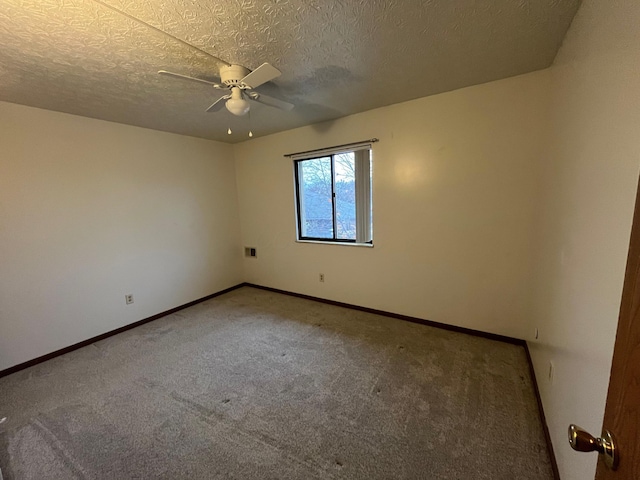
<point x="326" y="192"/>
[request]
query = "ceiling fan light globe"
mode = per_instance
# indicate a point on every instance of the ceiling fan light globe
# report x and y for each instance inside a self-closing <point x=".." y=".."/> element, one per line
<point x="237" y="106"/>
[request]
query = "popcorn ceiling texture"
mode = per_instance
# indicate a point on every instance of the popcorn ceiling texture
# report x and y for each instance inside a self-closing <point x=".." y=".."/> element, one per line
<point x="337" y="58"/>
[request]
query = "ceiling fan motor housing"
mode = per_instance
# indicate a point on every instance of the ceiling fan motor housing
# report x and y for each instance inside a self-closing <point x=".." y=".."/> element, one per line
<point x="233" y="74"/>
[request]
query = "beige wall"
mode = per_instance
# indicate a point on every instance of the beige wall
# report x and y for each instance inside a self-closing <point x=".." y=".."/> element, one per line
<point x="454" y="197"/>
<point x="91" y="211"/>
<point x="502" y="207"/>
<point x="591" y="174"/>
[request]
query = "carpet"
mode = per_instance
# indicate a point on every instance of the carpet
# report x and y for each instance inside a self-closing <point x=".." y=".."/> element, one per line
<point x="259" y="385"/>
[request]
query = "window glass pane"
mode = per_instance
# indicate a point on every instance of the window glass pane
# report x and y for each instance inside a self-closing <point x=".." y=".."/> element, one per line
<point x="345" y="188"/>
<point x="316" y="208"/>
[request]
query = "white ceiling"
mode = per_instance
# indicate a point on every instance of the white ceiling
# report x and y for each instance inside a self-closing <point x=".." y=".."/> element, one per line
<point x="337" y="57"/>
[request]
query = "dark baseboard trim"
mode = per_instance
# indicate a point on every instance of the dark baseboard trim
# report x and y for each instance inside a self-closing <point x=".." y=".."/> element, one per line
<point x="543" y="419"/>
<point x="444" y="326"/>
<point x="407" y="318"/>
<point x="84" y="343"/>
<point x="421" y="321"/>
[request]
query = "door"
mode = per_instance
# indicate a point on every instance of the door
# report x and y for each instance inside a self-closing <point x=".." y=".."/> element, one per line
<point x="622" y="411"/>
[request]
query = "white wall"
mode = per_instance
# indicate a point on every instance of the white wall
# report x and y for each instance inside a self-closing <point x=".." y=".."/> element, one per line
<point x="454" y="196"/>
<point x="501" y="207"/>
<point x="591" y="174"/>
<point x="91" y="211"/>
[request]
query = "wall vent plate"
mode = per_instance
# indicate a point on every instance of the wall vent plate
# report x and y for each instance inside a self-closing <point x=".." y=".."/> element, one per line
<point x="250" y="252"/>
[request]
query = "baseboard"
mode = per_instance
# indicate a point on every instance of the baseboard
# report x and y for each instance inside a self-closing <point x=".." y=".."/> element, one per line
<point x="84" y="343"/>
<point x="444" y="326"/>
<point x="407" y="318"/>
<point x="543" y="419"/>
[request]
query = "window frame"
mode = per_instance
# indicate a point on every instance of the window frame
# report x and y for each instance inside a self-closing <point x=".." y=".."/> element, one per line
<point x="361" y="192"/>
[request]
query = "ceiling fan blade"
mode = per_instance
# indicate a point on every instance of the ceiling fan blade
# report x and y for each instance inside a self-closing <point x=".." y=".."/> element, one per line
<point x="218" y="104"/>
<point x="272" y="102"/>
<point x="263" y="74"/>
<point x="187" y="77"/>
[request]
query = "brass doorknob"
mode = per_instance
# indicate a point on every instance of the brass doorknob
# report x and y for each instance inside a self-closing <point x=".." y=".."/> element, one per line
<point x="582" y="441"/>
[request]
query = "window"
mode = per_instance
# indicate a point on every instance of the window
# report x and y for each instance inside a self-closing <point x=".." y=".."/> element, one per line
<point x="333" y="196"/>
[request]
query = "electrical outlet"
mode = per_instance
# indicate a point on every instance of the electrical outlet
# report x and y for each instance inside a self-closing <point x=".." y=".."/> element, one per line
<point x="552" y="372"/>
<point x="322" y="277"/>
<point x="128" y="298"/>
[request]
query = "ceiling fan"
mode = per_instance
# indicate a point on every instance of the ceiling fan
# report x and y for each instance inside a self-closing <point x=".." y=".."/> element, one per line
<point x="240" y="82"/>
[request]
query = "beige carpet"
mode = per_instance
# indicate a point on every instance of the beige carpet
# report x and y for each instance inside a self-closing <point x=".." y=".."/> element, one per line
<point x="259" y="385"/>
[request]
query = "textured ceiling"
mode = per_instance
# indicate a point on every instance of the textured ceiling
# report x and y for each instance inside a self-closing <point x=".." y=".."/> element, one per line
<point x="337" y="58"/>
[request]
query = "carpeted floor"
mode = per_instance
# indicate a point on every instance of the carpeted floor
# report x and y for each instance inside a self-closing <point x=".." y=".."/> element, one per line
<point x="258" y="385"/>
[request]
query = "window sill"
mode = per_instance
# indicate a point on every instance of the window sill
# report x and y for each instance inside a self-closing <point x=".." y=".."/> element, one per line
<point x="346" y="244"/>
